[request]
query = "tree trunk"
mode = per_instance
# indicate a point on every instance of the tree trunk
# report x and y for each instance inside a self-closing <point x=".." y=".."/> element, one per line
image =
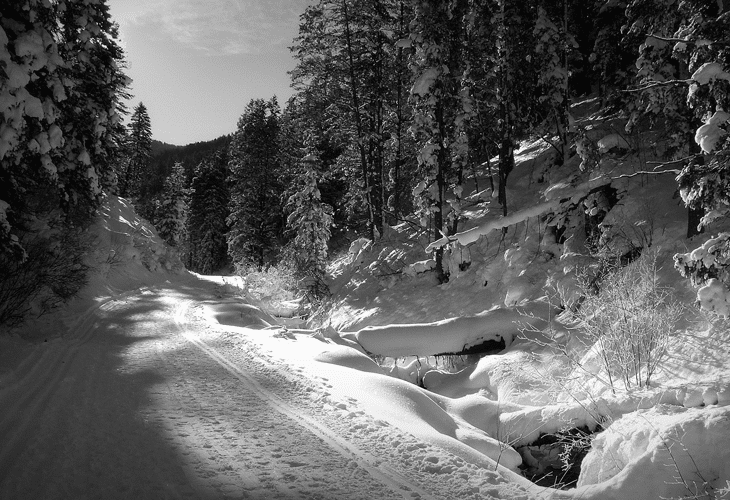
<point x="442" y="168"/>
<point x="694" y="215"/>
<point x="358" y="124"/>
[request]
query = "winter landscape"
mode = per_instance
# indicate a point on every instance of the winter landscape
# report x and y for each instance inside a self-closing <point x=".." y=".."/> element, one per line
<point x="481" y="252"/>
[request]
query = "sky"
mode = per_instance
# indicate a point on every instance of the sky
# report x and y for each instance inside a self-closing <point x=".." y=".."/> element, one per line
<point x="196" y="64"/>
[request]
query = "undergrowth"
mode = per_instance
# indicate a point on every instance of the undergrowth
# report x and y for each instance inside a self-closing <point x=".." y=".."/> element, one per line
<point x="52" y="272"/>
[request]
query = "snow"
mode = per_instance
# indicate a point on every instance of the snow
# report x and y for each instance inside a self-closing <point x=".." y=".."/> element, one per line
<point x="157" y="383"/>
<point x="709" y="72"/>
<point x="649" y="450"/>
<point x="555" y="195"/>
<point x="709" y="134"/>
<point x="714" y="297"/>
<point x="422" y="85"/>
<point x="612" y="141"/>
<point x="420" y="267"/>
<point x="4" y="206"/>
<point x="446" y="336"/>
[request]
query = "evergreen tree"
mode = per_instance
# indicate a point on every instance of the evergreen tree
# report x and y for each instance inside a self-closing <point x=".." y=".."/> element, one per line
<point x="677" y="39"/>
<point x="139" y="149"/>
<point x="442" y="108"/>
<point x="208" y="211"/>
<point x="349" y="60"/>
<point x="310" y="220"/>
<point x="60" y="93"/>
<point x="172" y="210"/>
<point x="256" y="216"/>
<point x="514" y="72"/>
<point x="703" y="45"/>
<point x="554" y="44"/>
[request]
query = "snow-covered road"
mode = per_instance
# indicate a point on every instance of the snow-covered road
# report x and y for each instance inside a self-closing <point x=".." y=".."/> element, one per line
<point x="147" y="400"/>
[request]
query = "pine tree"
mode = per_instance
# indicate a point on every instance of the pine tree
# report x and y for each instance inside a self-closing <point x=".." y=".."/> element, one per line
<point x="349" y="60"/>
<point x="139" y="149"/>
<point x="61" y="92"/>
<point x="172" y="210"/>
<point x="677" y="39"/>
<point x="442" y="109"/>
<point x="310" y="220"/>
<point x="516" y="94"/>
<point x="704" y="48"/>
<point x="554" y="44"/>
<point x="256" y="216"/>
<point x="208" y="211"/>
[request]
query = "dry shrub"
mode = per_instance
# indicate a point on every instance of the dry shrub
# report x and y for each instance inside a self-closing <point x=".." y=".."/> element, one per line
<point x="629" y="321"/>
<point x="52" y="273"/>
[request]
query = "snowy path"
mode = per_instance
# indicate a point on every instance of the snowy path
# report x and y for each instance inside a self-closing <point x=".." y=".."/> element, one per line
<point x="147" y="401"/>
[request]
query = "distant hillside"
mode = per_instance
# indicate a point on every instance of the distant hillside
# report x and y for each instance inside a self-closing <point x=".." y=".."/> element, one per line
<point x="164" y="156"/>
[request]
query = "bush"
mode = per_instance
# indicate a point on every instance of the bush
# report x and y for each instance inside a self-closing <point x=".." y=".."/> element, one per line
<point x="52" y="273"/>
<point x="629" y="321"/>
<point x="269" y="287"/>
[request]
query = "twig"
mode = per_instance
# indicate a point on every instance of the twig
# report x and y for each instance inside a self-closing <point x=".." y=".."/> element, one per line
<point x="655" y="84"/>
<point x="679" y="160"/>
<point x="690" y="42"/>
<point x="648" y="172"/>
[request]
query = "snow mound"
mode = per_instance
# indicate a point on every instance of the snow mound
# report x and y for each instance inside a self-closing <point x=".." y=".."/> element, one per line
<point x="349" y="358"/>
<point x="667" y="450"/>
<point x="235" y="313"/>
<point x="425" y="415"/>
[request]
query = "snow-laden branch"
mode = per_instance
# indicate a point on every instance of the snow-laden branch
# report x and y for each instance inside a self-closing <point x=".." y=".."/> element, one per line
<point x="556" y="195"/>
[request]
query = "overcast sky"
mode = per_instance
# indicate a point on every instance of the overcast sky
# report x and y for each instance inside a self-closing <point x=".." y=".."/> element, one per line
<point x="196" y="63"/>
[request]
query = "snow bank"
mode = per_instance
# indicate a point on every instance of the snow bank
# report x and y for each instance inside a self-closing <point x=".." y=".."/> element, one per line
<point x="414" y="410"/>
<point x="669" y="451"/>
<point x="119" y="237"/>
<point x="234" y="313"/>
<point x="348" y="357"/>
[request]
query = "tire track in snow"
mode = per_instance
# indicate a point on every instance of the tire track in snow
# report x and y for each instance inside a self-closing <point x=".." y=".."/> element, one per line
<point x="396" y="482"/>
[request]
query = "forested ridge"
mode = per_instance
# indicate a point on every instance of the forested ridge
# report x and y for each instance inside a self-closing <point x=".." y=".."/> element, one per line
<point x="402" y="110"/>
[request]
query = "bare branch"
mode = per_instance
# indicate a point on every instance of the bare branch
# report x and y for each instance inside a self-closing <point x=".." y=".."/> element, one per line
<point x="649" y="172"/>
<point x="686" y="159"/>
<point x="666" y="83"/>
<point x="689" y="42"/>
